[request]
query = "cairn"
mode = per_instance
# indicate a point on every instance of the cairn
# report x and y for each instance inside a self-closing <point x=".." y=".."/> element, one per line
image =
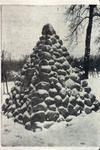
<point x="48" y="87"/>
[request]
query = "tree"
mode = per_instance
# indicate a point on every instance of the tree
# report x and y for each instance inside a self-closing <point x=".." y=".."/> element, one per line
<point x="4" y="70"/>
<point x="78" y="16"/>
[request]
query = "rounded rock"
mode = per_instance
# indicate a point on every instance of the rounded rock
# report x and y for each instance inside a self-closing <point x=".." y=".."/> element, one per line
<point x="52" y="115"/>
<point x="48" y="30"/>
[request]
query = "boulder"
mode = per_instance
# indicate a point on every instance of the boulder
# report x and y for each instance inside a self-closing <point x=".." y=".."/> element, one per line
<point x="57" y="36"/>
<point x="87" y="110"/>
<point x="86" y="95"/>
<point x="61" y="59"/>
<point x="66" y="54"/>
<point x="46" y="68"/>
<point x="11" y="108"/>
<point x="4" y="108"/>
<point x="42" y="93"/>
<point x="53" y="80"/>
<point x="9" y="115"/>
<point x="69" y="118"/>
<point x="64" y="49"/>
<point x="48" y="30"/>
<point x="53" y="39"/>
<point x="49" y="101"/>
<point x="42" y="85"/>
<point x="75" y="92"/>
<point x="28" y="126"/>
<point x="44" y="62"/>
<point x="58" y="86"/>
<point x="61" y="72"/>
<point x="53" y="92"/>
<point x="92" y="97"/>
<point x="65" y="101"/>
<point x="58" y="100"/>
<point x="38" y="116"/>
<point x="58" y="65"/>
<point x="61" y="78"/>
<point x="58" y="45"/>
<point x="26" y="117"/>
<point x="87" y="89"/>
<point x="87" y="102"/>
<point x="66" y="65"/>
<point x="36" y="100"/>
<point x="23" y="108"/>
<point x="46" y="55"/>
<point x="52" y="107"/>
<point x="51" y="62"/>
<point x="80" y="102"/>
<point x="61" y="118"/>
<point x="15" y="113"/>
<point x="54" y="68"/>
<point x="84" y="83"/>
<point x="20" y="116"/>
<point x="46" y="48"/>
<point x="63" y="111"/>
<point x="72" y="100"/>
<point x="52" y="115"/>
<point x="62" y="92"/>
<point x="60" y="51"/>
<point x="96" y="105"/>
<point x="40" y="107"/>
<point x="70" y="108"/>
<point x="77" y="110"/>
<point x="60" y="41"/>
<point x="69" y="83"/>
<point x="56" y="54"/>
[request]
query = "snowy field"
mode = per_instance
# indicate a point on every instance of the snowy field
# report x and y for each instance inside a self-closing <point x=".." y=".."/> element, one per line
<point x="81" y="131"/>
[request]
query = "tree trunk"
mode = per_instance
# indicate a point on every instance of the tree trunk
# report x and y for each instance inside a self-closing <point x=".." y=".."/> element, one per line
<point x="88" y="40"/>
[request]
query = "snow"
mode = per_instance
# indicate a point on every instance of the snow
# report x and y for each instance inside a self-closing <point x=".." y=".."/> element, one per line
<point x="94" y="82"/>
<point x="83" y="130"/>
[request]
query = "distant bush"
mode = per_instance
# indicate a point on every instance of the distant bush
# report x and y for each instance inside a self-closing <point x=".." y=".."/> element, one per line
<point x="94" y="62"/>
<point x="11" y="67"/>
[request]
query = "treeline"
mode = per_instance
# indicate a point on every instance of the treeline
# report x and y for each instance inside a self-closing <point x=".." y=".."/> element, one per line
<point x="94" y="62"/>
<point x="11" y="67"/>
<point x="16" y="65"/>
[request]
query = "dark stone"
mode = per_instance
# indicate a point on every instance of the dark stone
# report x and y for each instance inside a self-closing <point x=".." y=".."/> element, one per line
<point x="36" y="100"/>
<point x="40" y="107"/>
<point x="48" y="29"/>
<point x="26" y="117"/>
<point x="38" y="116"/>
<point x="52" y="115"/>
<point x="63" y="111"/>
<point x="43" y="85"/>
<point x="88" y="102"/>
<point x="28" y="126"/>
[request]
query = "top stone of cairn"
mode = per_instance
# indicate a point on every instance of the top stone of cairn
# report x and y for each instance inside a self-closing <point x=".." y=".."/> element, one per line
<point x="48" y="29"/>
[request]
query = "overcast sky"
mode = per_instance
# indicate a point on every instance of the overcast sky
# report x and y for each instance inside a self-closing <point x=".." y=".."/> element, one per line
<point x="22" y="26"/>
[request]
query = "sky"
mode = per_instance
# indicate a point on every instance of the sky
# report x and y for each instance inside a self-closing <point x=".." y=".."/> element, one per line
<point x="22" y="26"/>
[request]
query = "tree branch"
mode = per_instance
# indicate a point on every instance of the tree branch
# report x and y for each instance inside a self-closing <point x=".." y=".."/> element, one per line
<point x="96" y="14"/>
<point x="75" y="29"/>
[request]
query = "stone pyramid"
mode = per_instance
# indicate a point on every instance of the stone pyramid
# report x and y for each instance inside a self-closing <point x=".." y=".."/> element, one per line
<point x="48" y="87"/>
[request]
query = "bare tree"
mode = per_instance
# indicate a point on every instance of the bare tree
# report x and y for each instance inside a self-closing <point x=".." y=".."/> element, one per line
<point x="4" y="54"/>
<point x="78" y="17"/>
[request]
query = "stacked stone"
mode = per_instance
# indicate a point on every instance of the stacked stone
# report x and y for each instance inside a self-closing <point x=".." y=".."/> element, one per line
<point x="48" y="87"/>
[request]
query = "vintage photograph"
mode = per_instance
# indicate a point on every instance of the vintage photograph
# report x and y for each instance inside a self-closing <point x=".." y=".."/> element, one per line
<point x="50" y="75"/>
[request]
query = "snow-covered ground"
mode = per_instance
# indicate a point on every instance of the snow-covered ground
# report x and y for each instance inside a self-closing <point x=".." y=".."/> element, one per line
<point x="81" y="131"/>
